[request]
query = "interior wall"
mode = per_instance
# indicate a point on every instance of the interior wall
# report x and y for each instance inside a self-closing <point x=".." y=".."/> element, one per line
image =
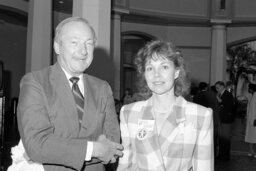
<point x="20" y="5"/>
<point x="195" y="8"/>
<point x="194" y="43"/>
<point x="236" y="34"/>
<point x="157" y="31"/>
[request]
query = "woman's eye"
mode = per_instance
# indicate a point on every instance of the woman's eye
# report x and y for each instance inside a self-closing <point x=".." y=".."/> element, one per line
<point x="166" y="67"/>
<point x="148" y="68"/>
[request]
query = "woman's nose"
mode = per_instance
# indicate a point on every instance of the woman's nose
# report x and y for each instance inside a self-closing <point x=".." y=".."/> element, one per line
<point x="156" y="72"/>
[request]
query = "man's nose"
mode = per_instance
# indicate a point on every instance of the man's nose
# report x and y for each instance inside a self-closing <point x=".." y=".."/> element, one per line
<point x="83" y="49"/>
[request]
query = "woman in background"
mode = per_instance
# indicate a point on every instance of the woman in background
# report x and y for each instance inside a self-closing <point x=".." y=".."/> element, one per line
<point x="165" y="132"/>
<point x="250" y="134"/>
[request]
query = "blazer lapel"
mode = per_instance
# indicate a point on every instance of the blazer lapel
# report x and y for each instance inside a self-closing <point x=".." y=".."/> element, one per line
<point x="189" y="134"/>
<point x="173" y="130"/>
<point x="63" y="90"/>
<point x="152" y="142"/>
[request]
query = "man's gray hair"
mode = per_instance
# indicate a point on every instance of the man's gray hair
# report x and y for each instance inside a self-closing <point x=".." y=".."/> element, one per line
<point x="69" y="20"/>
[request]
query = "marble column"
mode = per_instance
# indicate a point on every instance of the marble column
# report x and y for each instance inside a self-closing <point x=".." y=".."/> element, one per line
<point x="116" y="52"/>
<point x="39" y="35"/>
<point x="218" y="53"/>
<point x="98" y="13"/>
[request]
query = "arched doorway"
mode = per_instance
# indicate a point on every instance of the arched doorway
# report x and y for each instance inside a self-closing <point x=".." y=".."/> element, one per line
<point x="13" y="33"/>
<point x="130" y="44"/>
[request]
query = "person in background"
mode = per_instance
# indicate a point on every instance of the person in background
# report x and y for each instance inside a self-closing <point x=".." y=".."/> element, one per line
<point x="230" y="87"/>
<point x="193" y="91"/>
<point x="225" y="99"/>
<point x="165" y="132"/>
<point x="207" y="98"/>
<point x="250" y="134"/>
<point x="142" y="93"/>
<point x="118" y="105"/>
<point x="66" y="118"/>
<point x="127" y="96"/>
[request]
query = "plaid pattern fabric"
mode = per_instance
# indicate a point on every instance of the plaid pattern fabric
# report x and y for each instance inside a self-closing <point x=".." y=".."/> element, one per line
<point x="185" y="141"/>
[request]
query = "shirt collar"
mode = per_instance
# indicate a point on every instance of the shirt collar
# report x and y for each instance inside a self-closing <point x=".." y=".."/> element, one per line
<point x="70" y="76"/>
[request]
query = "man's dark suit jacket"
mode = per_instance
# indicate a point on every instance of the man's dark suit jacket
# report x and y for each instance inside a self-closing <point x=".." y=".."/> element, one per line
<point x="208" y="99"/>
<point x="48" y="120"/>
<point x="226" y="107"/>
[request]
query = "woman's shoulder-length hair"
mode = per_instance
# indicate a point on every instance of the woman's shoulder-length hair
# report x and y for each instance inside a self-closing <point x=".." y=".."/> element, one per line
<point x="158" y="49"/>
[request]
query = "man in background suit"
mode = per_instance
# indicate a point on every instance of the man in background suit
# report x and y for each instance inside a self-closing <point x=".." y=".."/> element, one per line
<point x="225" y="99"/>
<point x="51" y="130"/>
<point x="207" y="98"/>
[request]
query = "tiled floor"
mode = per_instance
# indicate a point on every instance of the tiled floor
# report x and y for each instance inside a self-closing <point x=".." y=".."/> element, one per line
<point x="239" y="159"/>
<point x="237" y="163"/>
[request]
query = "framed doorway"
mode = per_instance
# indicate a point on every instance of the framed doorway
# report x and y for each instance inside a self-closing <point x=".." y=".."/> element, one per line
<point x="130" y="44"/>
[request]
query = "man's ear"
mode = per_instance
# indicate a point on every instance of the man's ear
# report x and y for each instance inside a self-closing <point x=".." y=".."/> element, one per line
<point x="56" y="47"/>
<point x="176" y="74"/>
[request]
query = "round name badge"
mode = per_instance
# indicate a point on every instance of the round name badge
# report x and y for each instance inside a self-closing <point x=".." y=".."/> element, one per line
<point x="142" y="134"/>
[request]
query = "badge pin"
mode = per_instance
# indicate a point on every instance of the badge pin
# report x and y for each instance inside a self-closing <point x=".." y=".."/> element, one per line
<point x="142" y="134"/>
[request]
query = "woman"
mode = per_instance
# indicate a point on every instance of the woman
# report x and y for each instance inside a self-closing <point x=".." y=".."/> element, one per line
<point x="250" y="135"/>
<point x="165" y="132"/>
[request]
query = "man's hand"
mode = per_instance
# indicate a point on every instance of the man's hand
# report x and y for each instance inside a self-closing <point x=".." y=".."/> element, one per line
<point x="106" y="150"/>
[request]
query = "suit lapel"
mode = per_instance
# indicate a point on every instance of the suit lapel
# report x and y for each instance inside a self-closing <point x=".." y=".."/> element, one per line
<point x="63" y="90"/>
<point x="90" y="109"/>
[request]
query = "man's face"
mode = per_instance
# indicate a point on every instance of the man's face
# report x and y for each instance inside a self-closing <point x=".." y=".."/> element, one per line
<point x="75" y="47"/>
<point x="219" y="88"/>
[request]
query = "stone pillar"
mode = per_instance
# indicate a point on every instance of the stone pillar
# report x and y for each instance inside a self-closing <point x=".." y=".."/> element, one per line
<point x="218" y="52"/>
<point x="116" y="42"/>
<point x="98" y="13"/>
<point x="39" y="35"/>
<point x="116" y="52"/>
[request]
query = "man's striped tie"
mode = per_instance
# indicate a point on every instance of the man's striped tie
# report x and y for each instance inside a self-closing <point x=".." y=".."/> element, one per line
<point x="79" y="99"/>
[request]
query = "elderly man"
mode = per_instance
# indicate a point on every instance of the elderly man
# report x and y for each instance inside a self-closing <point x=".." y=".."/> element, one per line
<point x="67" y="118"/>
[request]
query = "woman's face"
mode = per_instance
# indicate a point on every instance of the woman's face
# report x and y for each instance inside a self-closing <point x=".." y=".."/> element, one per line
<point x="160" y="75"/>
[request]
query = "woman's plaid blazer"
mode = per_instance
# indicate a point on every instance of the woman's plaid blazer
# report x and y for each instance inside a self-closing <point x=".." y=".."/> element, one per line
<point x="185" y="142"/>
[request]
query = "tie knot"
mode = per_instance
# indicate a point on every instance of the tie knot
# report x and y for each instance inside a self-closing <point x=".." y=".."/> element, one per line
<point x="74" y="80"/>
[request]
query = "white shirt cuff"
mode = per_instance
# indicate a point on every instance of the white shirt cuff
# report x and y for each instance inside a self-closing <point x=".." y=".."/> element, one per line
<point x="89" y="151"/>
